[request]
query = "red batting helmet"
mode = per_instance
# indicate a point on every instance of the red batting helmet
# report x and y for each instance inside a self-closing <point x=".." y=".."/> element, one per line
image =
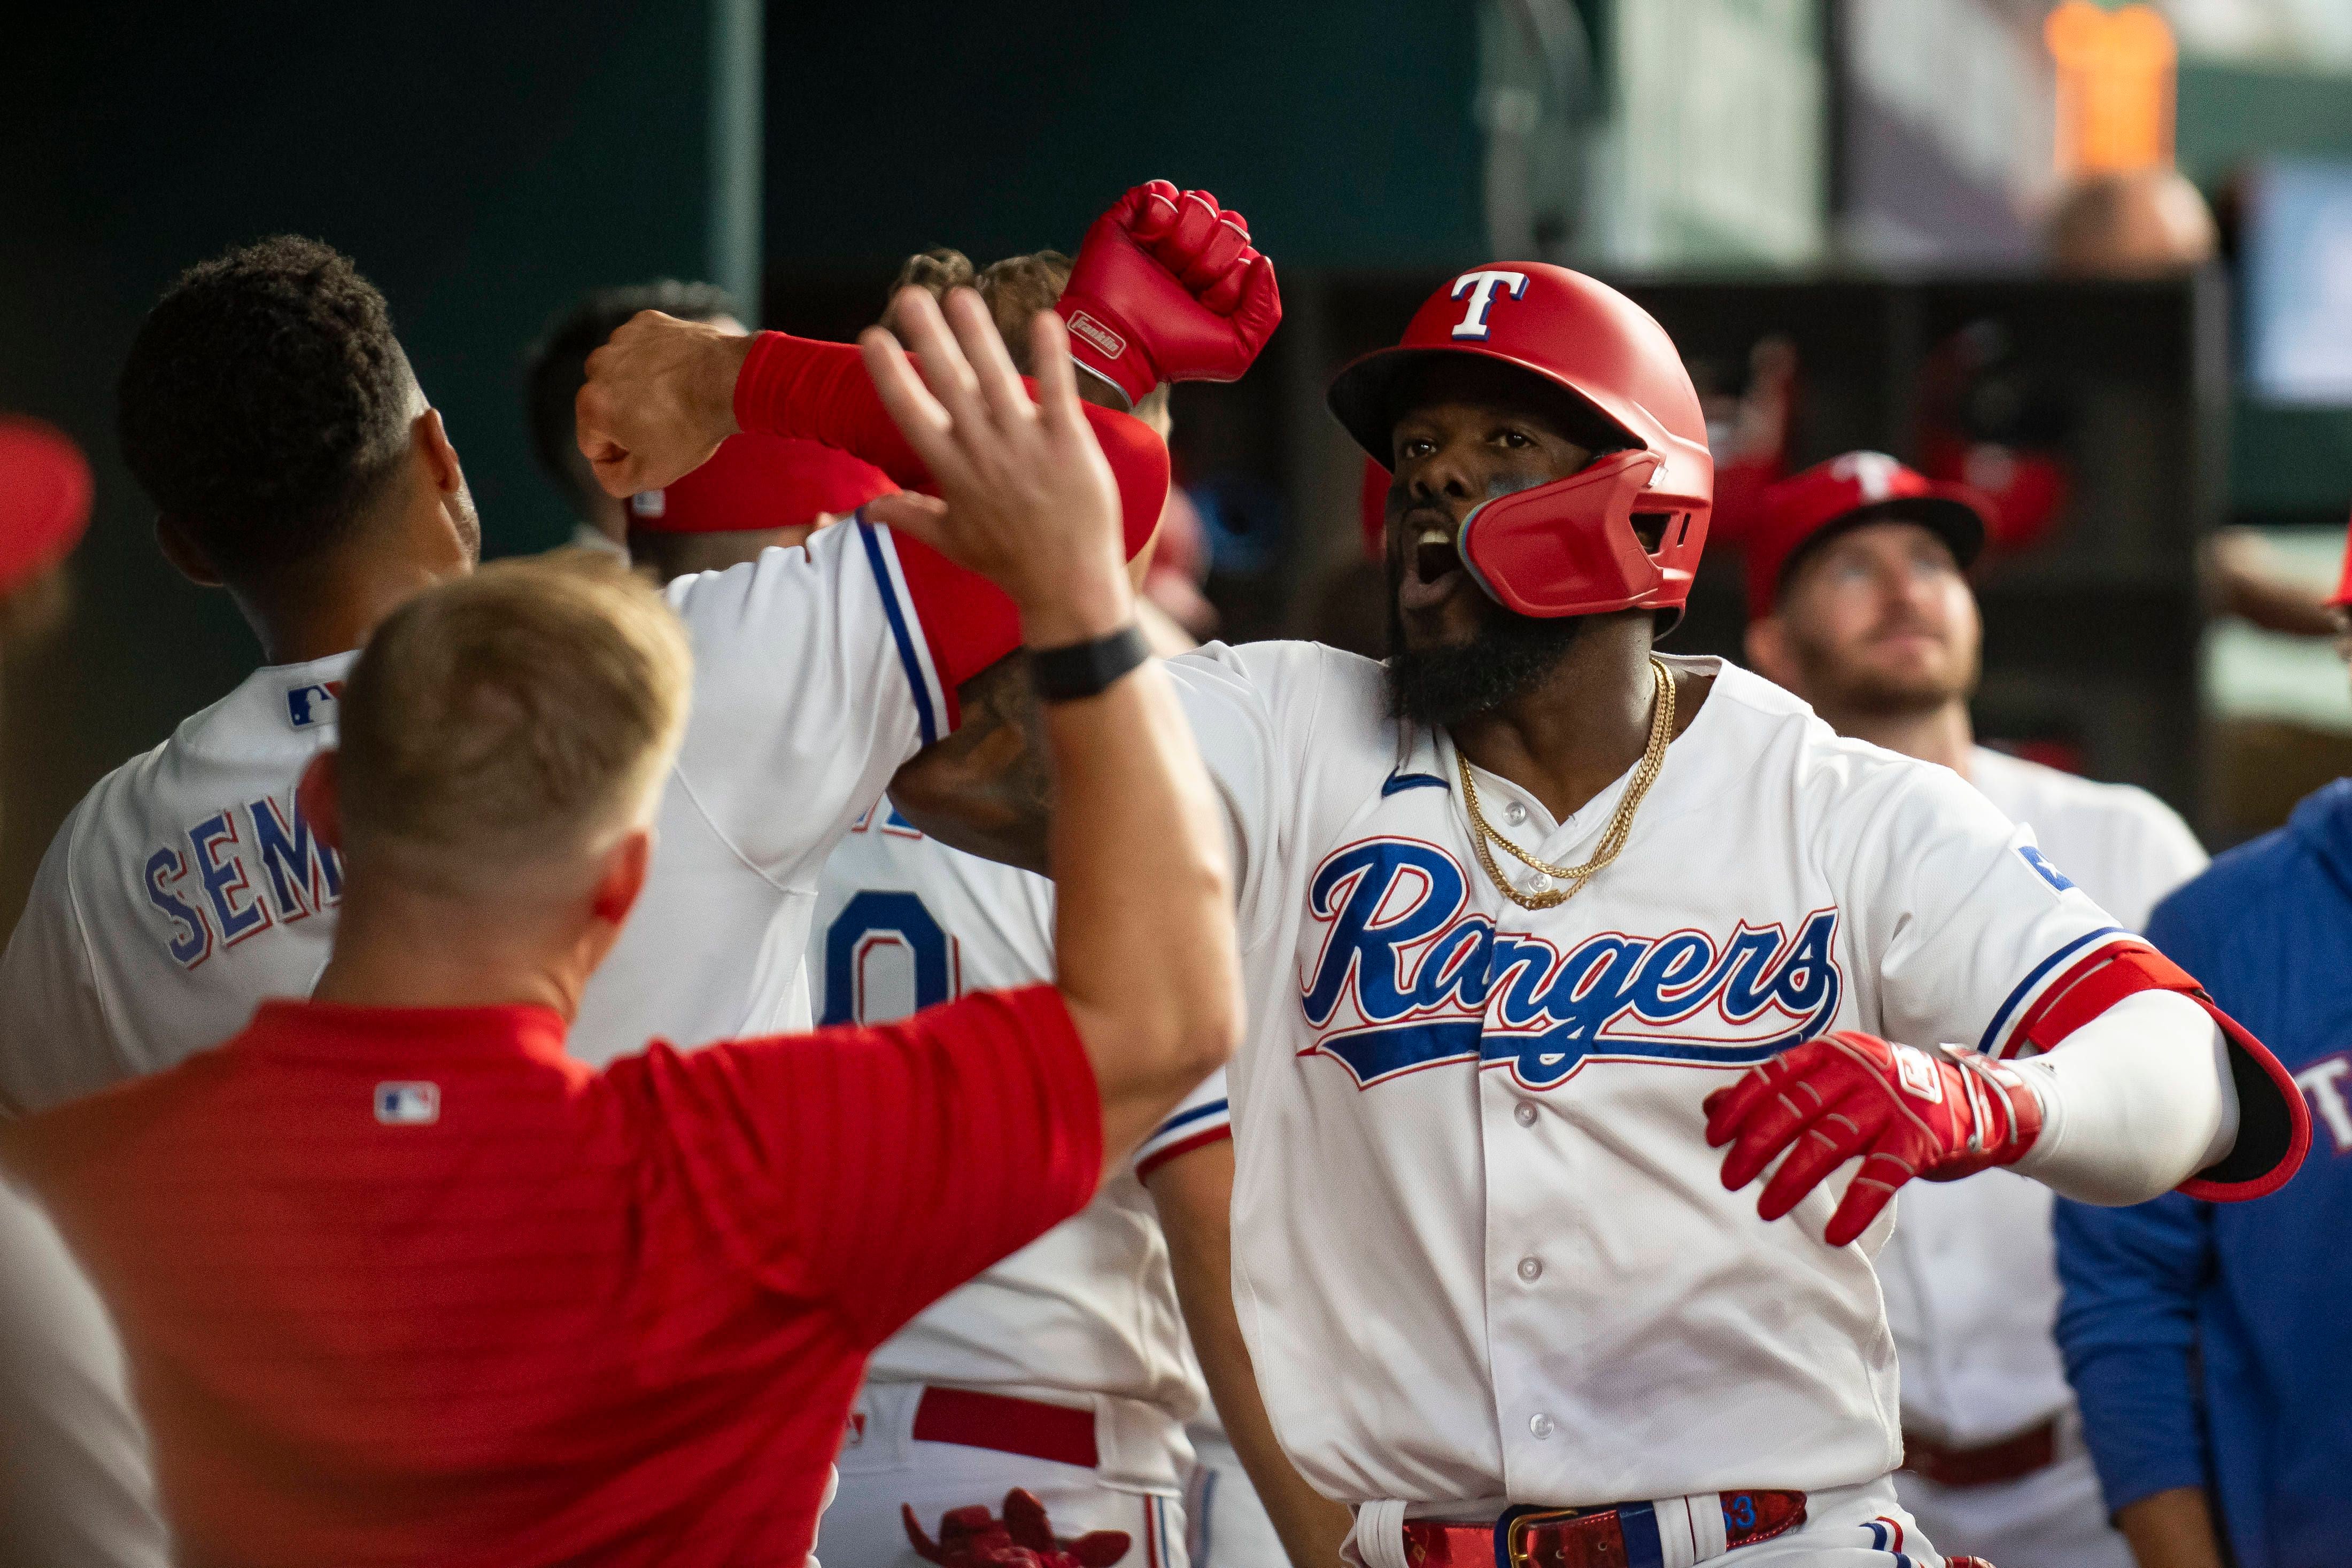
<point x="1575" y="546"/>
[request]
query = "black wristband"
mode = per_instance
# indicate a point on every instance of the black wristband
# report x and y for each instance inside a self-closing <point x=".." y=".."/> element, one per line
<point x="1077" y="670"/>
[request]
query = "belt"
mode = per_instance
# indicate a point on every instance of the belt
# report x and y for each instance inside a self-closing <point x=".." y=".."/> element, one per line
<point x="2034" y="1448"/>
<point x="1062" y="1433"/>
<point x="1621" y="1535"/>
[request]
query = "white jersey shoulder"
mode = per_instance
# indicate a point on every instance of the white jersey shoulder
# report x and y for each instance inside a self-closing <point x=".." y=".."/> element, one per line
<point x="2126" y="848"/>
<point x="1482" y="1249"/>
<point x="1089" y="1308"/>
<point x="182" y="889"/>
<point x="813" y="682"/>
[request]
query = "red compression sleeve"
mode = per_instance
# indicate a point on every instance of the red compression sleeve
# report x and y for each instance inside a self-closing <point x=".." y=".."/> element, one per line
<point x="820" y="391"/>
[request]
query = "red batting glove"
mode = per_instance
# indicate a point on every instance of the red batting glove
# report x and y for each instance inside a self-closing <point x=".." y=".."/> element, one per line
<point x="1167" y="288"/>
<point x="973" y="1538"/>
<point x="1937" y="1113"/>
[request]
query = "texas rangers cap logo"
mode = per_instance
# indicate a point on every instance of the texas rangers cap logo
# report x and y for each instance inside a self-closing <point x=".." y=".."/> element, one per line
<point x="1480" y="286"/>
<point x="409" y="1104"/>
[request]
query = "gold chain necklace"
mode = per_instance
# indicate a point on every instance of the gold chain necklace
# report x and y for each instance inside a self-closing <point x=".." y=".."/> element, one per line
<point x="1621" y="821"/>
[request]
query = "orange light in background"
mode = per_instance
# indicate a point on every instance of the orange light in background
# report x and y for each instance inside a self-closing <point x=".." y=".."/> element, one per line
<point x="2115" y="71"/>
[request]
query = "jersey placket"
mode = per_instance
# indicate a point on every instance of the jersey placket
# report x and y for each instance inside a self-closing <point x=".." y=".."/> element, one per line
<point x="1540" y="1256"/>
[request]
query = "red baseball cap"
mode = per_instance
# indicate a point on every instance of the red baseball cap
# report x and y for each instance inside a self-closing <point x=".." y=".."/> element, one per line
<point x="1846" y="492"/>
<point x="45" y="494"/>
<point x="2343" y="600"/>
<point x="760" y="482"/>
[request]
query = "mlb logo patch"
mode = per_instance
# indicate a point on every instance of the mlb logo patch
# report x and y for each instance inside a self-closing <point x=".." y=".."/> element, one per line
<point x="649" y="503"/>
<point x="407" y="1104"/>
<point x="307" y="706"/>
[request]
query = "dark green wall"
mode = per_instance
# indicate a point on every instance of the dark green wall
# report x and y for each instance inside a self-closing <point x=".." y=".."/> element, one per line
<point x="483" y="162"/>
<point x="1344" y="131"/>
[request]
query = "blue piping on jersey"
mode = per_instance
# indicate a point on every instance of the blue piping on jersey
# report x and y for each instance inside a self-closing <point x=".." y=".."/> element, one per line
<point x="1194" y="1114"/>
<point x="1397" y="783"/>
<point x="898" y="632"/>
<point x="2000" y="1019"/>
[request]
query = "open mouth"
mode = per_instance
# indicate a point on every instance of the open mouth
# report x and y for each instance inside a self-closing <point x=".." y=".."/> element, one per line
<point x="1433" y="563"/>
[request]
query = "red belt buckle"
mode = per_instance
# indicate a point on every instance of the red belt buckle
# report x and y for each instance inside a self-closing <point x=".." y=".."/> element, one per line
<point x="1565" y="1537"/>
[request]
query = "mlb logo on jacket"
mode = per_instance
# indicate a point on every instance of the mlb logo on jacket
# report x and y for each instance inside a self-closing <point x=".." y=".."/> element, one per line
<point x="407" y="1104"/>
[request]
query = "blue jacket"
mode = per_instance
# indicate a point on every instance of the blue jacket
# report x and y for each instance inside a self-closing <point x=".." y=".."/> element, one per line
<point x="2211" y="1344"/>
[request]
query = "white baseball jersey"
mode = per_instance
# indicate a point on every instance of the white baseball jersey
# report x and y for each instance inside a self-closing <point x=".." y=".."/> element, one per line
<point x="182" y="889"/>
<point x="1970" y="1274"/>
<point x="186" y="886"/>
<point x="1482" y="1250"/>
<point x="1089" y="1308"/>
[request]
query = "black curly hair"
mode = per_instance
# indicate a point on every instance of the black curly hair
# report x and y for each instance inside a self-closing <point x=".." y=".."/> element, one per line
<point x="265" y="402"/>
<point x="556" y="364"/>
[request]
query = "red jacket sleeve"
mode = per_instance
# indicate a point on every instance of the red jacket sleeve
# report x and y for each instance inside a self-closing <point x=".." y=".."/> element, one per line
<point x="874" y="1170"/>
<point x="820" y="391"/>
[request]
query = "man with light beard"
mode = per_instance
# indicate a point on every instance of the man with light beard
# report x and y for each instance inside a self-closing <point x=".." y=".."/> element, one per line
<point x="1861" y="606"/>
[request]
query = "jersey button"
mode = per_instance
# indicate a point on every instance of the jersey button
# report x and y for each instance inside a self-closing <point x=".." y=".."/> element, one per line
<point x="1536" y="882"/>
<point x="1540" y="1425"/>
<point x="1525" y="1116"/>
<point x="1515" y="813"/>
<point x="1530" y="1269"/>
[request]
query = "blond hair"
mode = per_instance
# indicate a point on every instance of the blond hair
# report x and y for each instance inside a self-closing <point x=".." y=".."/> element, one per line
<point x="523" y="713"/>
<point x="1014" y="290"/>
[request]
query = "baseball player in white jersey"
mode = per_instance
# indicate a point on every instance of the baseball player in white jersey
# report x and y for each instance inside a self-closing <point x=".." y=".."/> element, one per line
<point x="1062" y="1370"/>
<point x="1554" y="947"/>
<point x="1861" y="605"/>
<point x="187" y="884"/>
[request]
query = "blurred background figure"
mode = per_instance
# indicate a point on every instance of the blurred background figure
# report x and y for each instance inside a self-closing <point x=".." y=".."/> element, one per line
<point x="45" y="501"/>
<point x="75" y="1482"/>
<point x="2208" y="1348"/>
<point x="555" y="369"/>
<point x="1861" y="604"/>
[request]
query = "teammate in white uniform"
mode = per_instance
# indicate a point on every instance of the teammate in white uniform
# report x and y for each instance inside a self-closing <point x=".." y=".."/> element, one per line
<point x="186" y="886"/>
<point x="1861" y="606"/>
<point x="1489" y="1255"/>
<point x="270" y="414"/>
<point x="1063" y="1369"/>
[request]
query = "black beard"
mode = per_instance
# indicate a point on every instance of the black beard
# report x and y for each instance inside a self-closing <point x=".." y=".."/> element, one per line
<point x="1443" y="686"/>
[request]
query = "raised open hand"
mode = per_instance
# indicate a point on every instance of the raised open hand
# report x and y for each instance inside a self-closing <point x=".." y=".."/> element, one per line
<point x="1026" y="498"/>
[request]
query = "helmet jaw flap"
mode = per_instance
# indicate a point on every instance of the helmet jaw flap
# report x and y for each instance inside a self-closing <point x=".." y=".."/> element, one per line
<point x="1576" y="546"/>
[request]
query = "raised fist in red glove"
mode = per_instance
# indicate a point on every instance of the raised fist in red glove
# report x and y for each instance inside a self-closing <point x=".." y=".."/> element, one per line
<point x="1167" y="288"/>
<point x="972" y="1537"/>
<point x="1934" y="1113"/>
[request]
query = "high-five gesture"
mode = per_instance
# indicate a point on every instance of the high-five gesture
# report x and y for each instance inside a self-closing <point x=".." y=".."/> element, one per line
<point x="660" y="397"/>
<point x="1026" y="498"/>
<point x="1168" y="288"/>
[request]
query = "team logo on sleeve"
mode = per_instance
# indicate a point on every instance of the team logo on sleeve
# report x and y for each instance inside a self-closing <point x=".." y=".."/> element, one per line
<point x="1407" y="977"/>
<point x="2043" y="869"/>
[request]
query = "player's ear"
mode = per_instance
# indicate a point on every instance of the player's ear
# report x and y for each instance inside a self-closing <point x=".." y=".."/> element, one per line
<point x="622" y="876"/>
<point x="186" y="556"/>
<point x="440" y="456"/>
<point x="318" y="799"/>
<point x="1768" y="652"/>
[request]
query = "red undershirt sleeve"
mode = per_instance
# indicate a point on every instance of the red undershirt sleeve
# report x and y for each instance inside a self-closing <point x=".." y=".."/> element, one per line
<point x="814" y="391"/>
<point x="873" y="1170"/>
